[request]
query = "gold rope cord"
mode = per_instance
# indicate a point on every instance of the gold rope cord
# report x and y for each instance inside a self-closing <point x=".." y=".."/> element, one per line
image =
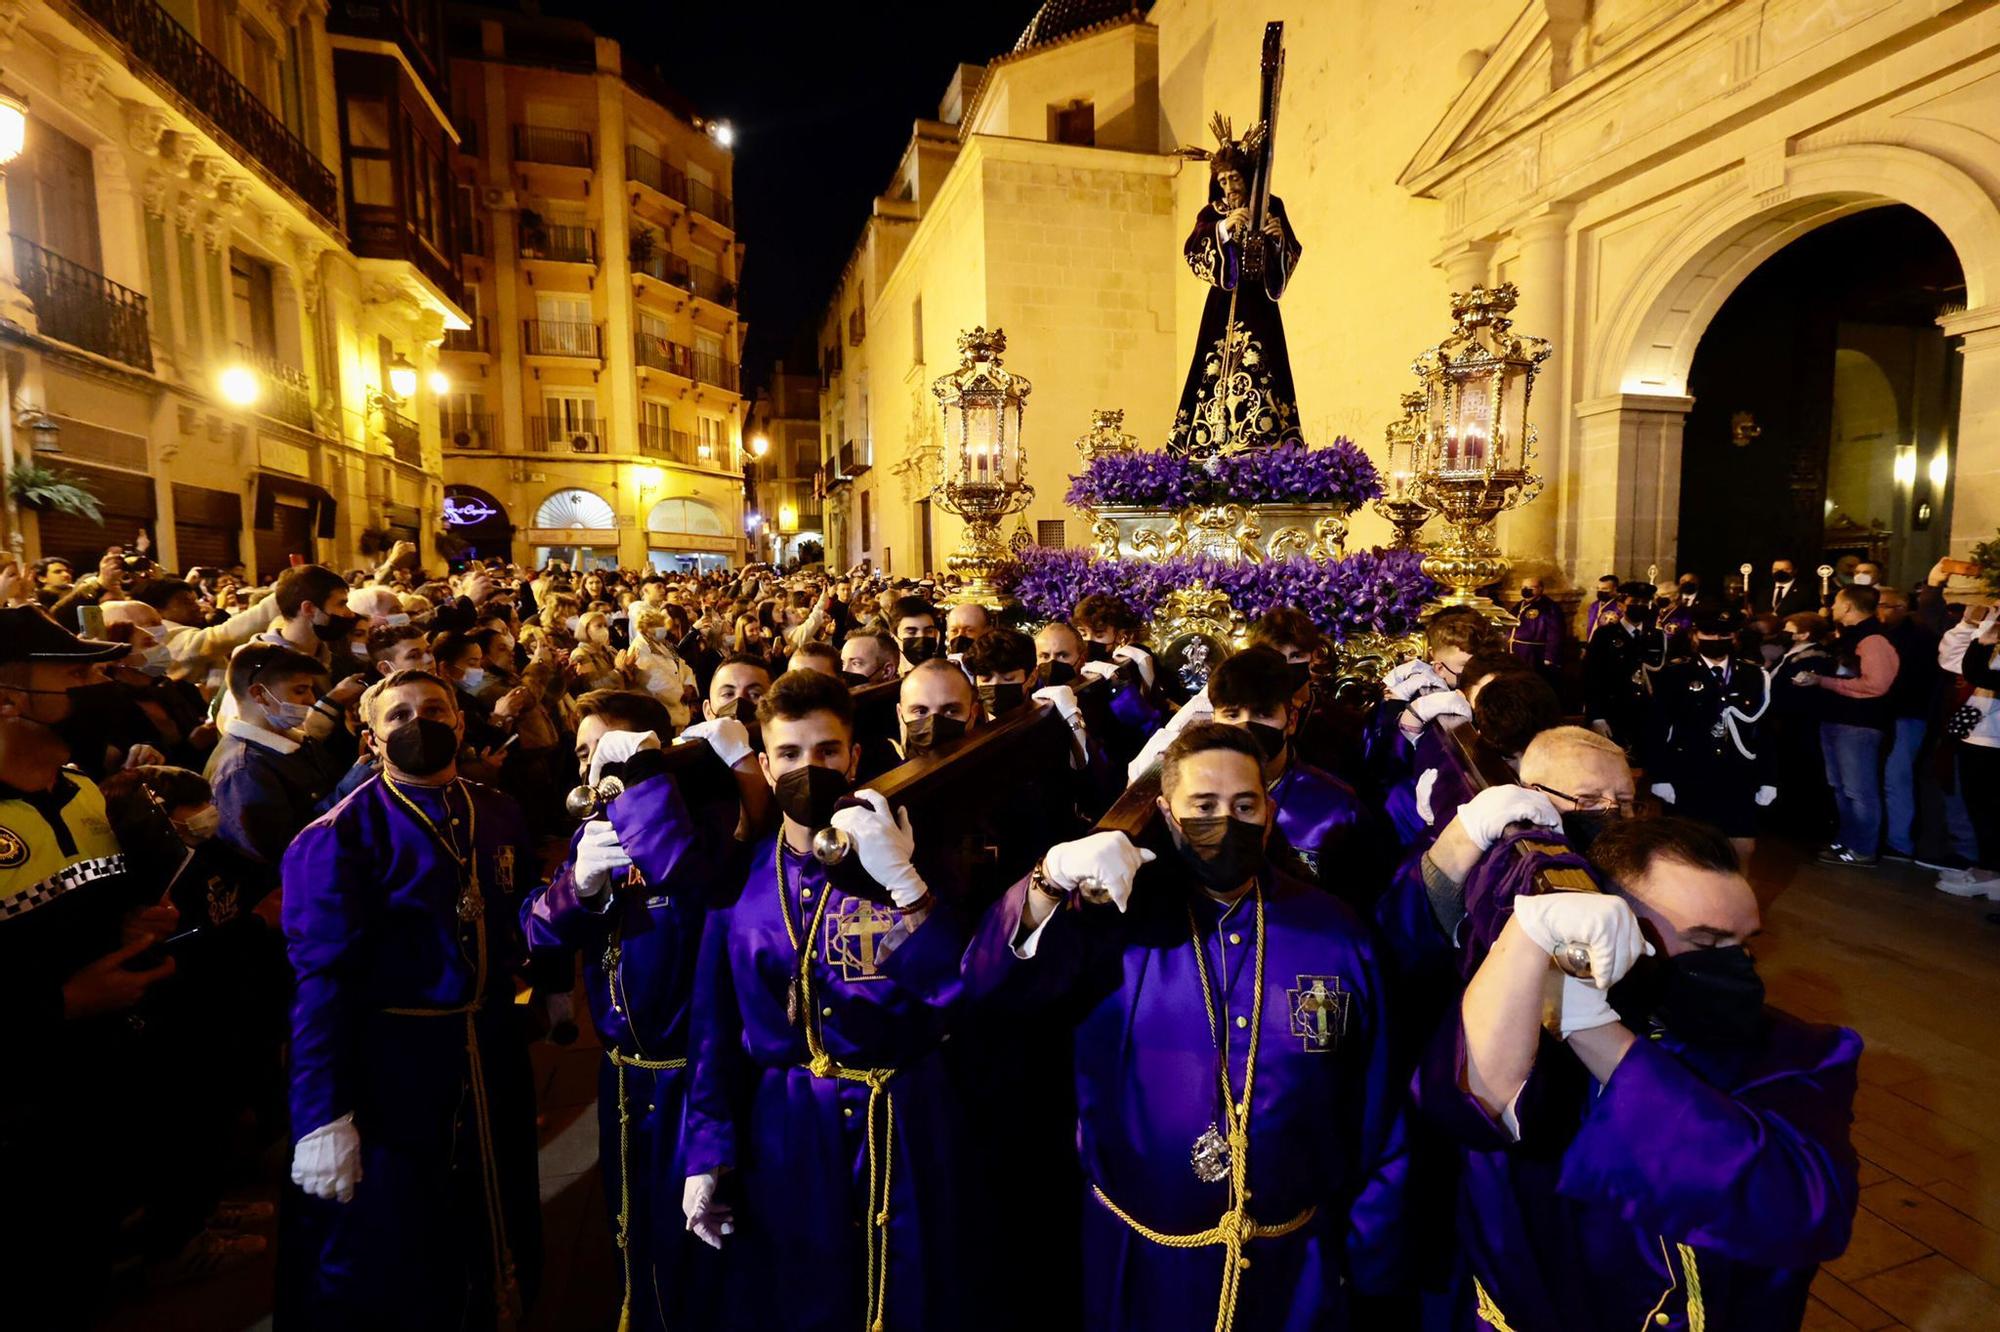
<point x="619" y="1063"/>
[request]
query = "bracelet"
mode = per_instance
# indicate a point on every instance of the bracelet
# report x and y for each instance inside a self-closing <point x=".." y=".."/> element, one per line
<point x="1039" y="880"/>
<point x="319" y="706"/>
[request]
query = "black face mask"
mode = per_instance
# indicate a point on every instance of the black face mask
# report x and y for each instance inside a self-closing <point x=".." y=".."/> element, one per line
<point x="1095" y="651"/>
<point x="917" y="651"/>
<point x="1056" y="673"/>
<point x="1781" y="575"/>
<point x="335" y="629"/>
<point x="1688" y="591"/>
<point x="1705" y="995"/>
<point x="962" y="644"/>
<point x="1581" y="826"/>
<point x="1301" y="673"/>
<point x="1713" y="649"/>
<point x="1605" y="596"/>
<point x="745" y="711"/>
<point x="1270" y="739"/>
<point x="929" y="731"/>
<point x="807" y="795"/>
<point x="853" y="679"/>
<point x="421" y="747"/>
<point x="1000" y="698"/>
<point x="1221" y="850"/>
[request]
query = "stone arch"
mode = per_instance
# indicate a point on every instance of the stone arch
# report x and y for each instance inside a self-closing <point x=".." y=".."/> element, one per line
<point x="1648" y="345"/>
<point x="682" y="515"/>
<point x="577" y="508"/>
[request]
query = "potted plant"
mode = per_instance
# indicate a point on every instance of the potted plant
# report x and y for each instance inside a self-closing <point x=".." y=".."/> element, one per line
<point x="47" y="490"/>
<point x="534" y="234"/>
<point x="644" y="242"/>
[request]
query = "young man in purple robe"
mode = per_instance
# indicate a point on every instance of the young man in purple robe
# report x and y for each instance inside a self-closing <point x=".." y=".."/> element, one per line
<point x="817" y="1075"/>
<point x="411" y="1097"/>
<point x="1666" y="1151"/>
<point x="1237" y="1124"/>
<point x="1111" y="630"/>
<point x="631" y="899"/>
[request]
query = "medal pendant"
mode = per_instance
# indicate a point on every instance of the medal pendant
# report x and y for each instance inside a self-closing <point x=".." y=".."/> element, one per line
<point x="1210" y="1156"/>
<point x="611" y="958"/>
<point x="468" y="903"/>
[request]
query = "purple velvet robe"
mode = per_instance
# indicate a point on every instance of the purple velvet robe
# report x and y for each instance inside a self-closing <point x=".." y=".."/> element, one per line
<point x="1538" y="638"/>
<point x="1440" y="795"/>
<point x="640" y="996"/>
<point x="799" y="1144"/>
<point x="371" y="922"/>
<point x="1699" y="1187"/>
<point x="1317" y="812"/>
<point x="1325" y="1131"/>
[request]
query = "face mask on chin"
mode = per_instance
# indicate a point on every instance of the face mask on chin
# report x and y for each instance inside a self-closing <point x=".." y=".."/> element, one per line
<point x="1221" y="850"/>
<point x="807" y="795"/>
<point x="1706" y="996"/>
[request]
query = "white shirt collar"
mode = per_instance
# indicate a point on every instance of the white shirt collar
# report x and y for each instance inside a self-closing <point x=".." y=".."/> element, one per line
<point x="250" y="733"/>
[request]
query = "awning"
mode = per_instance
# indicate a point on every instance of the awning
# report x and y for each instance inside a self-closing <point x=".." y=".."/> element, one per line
<point x="272" y="485"/>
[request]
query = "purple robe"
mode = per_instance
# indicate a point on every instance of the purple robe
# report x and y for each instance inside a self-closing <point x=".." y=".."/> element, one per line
<point x="1538" y="638"/>
<point x="1422" y="804"/>
<point x="1324" y="1126"/>
<point x="639" y="945"/>
<point x="1333" y="833"/>
<point x="401" y="1007"/>
<point x="1698" y="1187"/>
<point x="800" y="1144"/>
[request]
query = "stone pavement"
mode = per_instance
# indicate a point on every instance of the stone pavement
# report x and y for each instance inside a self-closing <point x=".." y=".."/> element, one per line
<point x="1917" y="973"/>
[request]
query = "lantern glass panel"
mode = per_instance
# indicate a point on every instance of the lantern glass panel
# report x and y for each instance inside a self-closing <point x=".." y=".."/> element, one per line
<point x="1511" y="436"/>
<point x="1469" y="427"/>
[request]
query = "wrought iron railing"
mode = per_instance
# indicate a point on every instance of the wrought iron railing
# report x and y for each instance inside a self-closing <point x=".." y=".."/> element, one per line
<point x="551" y="146"/>
<point x="83" y="308"/>
<point x="404" y="440"/>
<point x="467" y="430"/>
<point x="648" y="170"/>
<point x="657" y="353"/>
<point x="712" y="286"/>
<point x="551" y="434"/>
<point x="712" y="369"/>
<point x="668" y="268"/>
<point x="563" y="243"/>
<point x="478" y="338"/>
<point x="711" y="202"/>
<point x="546" y="337"/>
<point x="164" y="50"/>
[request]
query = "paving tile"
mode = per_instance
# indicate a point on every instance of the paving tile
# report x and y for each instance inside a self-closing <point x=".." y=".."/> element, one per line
<point x="1849" y="1304"/>
<point x="1877" y="1246"/>
<point x="1934" y="1294"/>
<point x="1819" y="1318"/>
<point x="1943" y="1227"/>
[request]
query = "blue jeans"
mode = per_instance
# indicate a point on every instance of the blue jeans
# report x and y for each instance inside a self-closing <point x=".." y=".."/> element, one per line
<point x="1854" y="771"/>
<point x="1899" y="785"/>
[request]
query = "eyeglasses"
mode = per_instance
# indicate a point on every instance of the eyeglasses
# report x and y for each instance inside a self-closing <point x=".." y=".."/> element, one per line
<point x="1593" y="804"/>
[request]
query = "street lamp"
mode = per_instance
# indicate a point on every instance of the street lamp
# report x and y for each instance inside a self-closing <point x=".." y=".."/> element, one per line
<point x="13" y="126"/>
<point x="759" y="445"/>
<point x="983" y="460"/>
<point x="402" y="378"/>
<point x="240" y="385"/>
<point x="440" y="383"/>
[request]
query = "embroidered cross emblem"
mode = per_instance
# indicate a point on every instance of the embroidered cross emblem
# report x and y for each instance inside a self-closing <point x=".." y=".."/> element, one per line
<point x="857" y="939"/>
<point x="1319" y="1012"/>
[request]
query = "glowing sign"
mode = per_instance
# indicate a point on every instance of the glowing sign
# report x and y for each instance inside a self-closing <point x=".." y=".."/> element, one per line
<point x="467" y="511"/>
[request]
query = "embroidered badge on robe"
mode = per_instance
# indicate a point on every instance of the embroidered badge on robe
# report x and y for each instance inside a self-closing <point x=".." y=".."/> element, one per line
<point x="221" y="901"/>
<point x="1319" y="1013"/>
<point x="505" y="856"/>
<point x="860" y="936"/>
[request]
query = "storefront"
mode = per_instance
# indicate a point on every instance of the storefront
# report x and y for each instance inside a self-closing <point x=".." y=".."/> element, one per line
<point x="688" y="536"/>
<point x="291" y="513"/>
<point x="126" y="499"/>
<point x="208" y="527"/>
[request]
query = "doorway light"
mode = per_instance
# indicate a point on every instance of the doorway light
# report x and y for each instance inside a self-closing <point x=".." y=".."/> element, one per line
<point x="1906" y="465"/>
<point x="1940" y="469"/>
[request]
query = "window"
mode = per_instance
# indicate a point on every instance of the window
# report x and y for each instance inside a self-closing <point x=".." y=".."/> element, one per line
<point x="561" y="308"/>
<point x="710" y="437"/>
<point x="867" y="521"/>
<point x="250" y="295"/>
<point x="261" y="72"/>
<point x="654" y="327"/>
<point x="52" y="195"/>
<point x="575" y="508"/>
<point x="684" y="516"/>
<point x="370" y="181"/>
<point x="570" y="416"/>
<point x="1049" y="532"/>
<point x="1075" y="123"/>
<point x="653" y="415"/>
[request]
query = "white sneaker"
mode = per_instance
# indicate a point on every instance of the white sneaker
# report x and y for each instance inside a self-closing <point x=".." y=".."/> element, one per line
<point x="1969" y="883"/>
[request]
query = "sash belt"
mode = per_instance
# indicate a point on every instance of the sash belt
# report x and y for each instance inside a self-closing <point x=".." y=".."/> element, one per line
<point x="881" y="1163"/>
<point x="620" y="1061"/>
<point x="1232" y="1232"/>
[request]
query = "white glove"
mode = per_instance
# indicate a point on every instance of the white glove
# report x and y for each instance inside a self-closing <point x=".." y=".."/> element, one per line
<point x="1765" y="795"/>
<point x="729" y="738"/>
<point x="1195" y="709"/>
<point x="1601" y="923"/>
<point x="1425" y="785"/>
<point x="616" y="747"/>
<point x="598" y="855"/>
<point x="708" y="1219"/>
<point x="1142" y="661"/>
<point x="1427" y="708"/>
<point x="1102" y="866"/>
<point x="1488" y="814"/>
<point x="327" y="1162"/>
<point x="885" y="845"/>
<point x="1198" y="708"/>
<point x="1584" y="1006"/>
<point x="1098" y="670"/>
<point x="1665" y="791"/>
<point x="1063" y="699"/>
<point x="1412" y="679"/>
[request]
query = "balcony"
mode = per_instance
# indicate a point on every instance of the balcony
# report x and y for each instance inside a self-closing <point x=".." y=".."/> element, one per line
<point x="468" y="430"/>
<point x="82" y="308"/>
<point x="677" y="446"/>
<point x="550" y="434"/>
<point x="167" y="55"/>
<point x="415" y="26"/>
<point x="857" y="326"/>
<point x="668" y="268"/>
<point x="404" y="440"/>
<point x="711" y="369"/>
<point x="655" y="353"/>
<point x="711" y="203"/>
<point x="559" y="244"/>
<point x="856" y="457"/>
<point x="544" y="337"/>
<point x="287" y="394"/>
<point x="552" y="147"/>
<point x="478" y="338"/>
<point x="712" y="286"/>
<point x="643" y="168"/>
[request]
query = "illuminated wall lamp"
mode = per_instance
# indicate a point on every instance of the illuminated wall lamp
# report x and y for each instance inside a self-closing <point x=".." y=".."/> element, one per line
<point x="240" y="386"/>
<point x="402" y="377"/>
<point x="1906" y="466"/>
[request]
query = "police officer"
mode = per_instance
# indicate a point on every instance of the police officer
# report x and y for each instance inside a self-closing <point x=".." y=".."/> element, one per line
<point x="1704" y="751"/>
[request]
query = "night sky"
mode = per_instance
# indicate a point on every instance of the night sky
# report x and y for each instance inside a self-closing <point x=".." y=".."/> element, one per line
<point x="822" y="98"/>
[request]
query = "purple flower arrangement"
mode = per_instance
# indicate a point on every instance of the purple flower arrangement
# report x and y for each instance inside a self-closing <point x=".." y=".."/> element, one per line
<point x="1370" y="591"/>
<point x="1339" y="474"/>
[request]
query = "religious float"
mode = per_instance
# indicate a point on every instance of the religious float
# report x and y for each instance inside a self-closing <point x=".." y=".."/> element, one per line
<point x="1238" y="513"/>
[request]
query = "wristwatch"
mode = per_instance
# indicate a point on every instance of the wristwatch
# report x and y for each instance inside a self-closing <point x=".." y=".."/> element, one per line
<point x="1039" y="880"/>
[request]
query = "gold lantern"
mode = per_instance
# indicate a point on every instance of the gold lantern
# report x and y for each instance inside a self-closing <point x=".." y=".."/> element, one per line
<point x="1475" y="445"/>
<point x="984" y="465"/>
<point x="1106" y="435"/>
<point x="1399" y="501"/>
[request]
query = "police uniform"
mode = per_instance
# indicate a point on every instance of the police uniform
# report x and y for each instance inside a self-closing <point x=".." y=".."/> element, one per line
<point x="1706" y="741"/>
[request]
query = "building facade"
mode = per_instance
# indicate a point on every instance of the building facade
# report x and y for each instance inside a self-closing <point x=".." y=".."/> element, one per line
<point x="783" y="482"/>
<point x="595" y="412"/>
<point x="184" y="329"/>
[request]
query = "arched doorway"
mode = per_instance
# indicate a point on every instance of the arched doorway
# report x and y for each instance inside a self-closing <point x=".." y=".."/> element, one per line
<point x="479" y="520"/>
<point x="687" y="536"/>
<point x="1826" y="404"/>
<point x="578" y="527"/>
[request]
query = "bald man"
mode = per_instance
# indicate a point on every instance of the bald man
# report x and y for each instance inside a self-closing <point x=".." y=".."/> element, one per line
<point x="937" y="706"/>
<point x="964" y="625"/>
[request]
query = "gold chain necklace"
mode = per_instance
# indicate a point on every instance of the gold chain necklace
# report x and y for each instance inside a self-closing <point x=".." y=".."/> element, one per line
<point x="798" y="993"/>
<point x="1217" y="1153"/>
<point x="468" y="864"/>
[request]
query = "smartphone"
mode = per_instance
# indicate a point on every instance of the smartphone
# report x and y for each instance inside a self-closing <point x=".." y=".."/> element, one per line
<point x="297" y="559"/>
<point x="1963" y="568"/>
<point x="92" y="620"/>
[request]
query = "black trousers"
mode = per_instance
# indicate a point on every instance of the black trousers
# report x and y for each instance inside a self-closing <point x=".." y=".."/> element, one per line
<point x="1979" y="782"/>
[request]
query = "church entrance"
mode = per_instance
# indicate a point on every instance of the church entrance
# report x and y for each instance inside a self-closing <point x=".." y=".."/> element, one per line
<point x="1824" y="425"/>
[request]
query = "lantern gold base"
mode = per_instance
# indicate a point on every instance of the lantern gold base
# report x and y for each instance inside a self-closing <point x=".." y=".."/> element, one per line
<point x="1464" y="567"/>
<point x="980" y="559"/>
<point x="1407" y="517"/>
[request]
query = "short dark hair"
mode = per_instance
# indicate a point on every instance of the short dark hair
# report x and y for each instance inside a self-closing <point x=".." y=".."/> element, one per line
<point x="1607" y="578"/>
<point x="1483" y="664"/>
<point x="43" y="565"/>
<point x="1624" y="849"/>
<point x="824" y="651"/>
<point x="796" y="695"/>
<point x="746" y="659"/>
<point x="1862" y="596"/>
<point x="885" y="641"/>
<point x="160" y="591"/>
<point x="305" y="582"/>
<point x="1513" y="708"/>
<point x="1101" y="610"/>
<point x="1286" y="626"/>
<point x="382" y="639"/>
<point x="632" y="709"/>
<point x="1200" y="738"/>
<point x="998" y="651"/>
<point x="911" y="608"/>
<point x="1256" y="679"/>
<point x="449" y="646"/>
<point x="260" y="663"/>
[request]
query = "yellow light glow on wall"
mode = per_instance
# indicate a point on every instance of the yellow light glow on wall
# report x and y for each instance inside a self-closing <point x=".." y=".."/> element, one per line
<point x="1940" y="469"/>
<point x="240" y="385"/>
<point x="1906" y="465"/>
<point x="647" y="478"/>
